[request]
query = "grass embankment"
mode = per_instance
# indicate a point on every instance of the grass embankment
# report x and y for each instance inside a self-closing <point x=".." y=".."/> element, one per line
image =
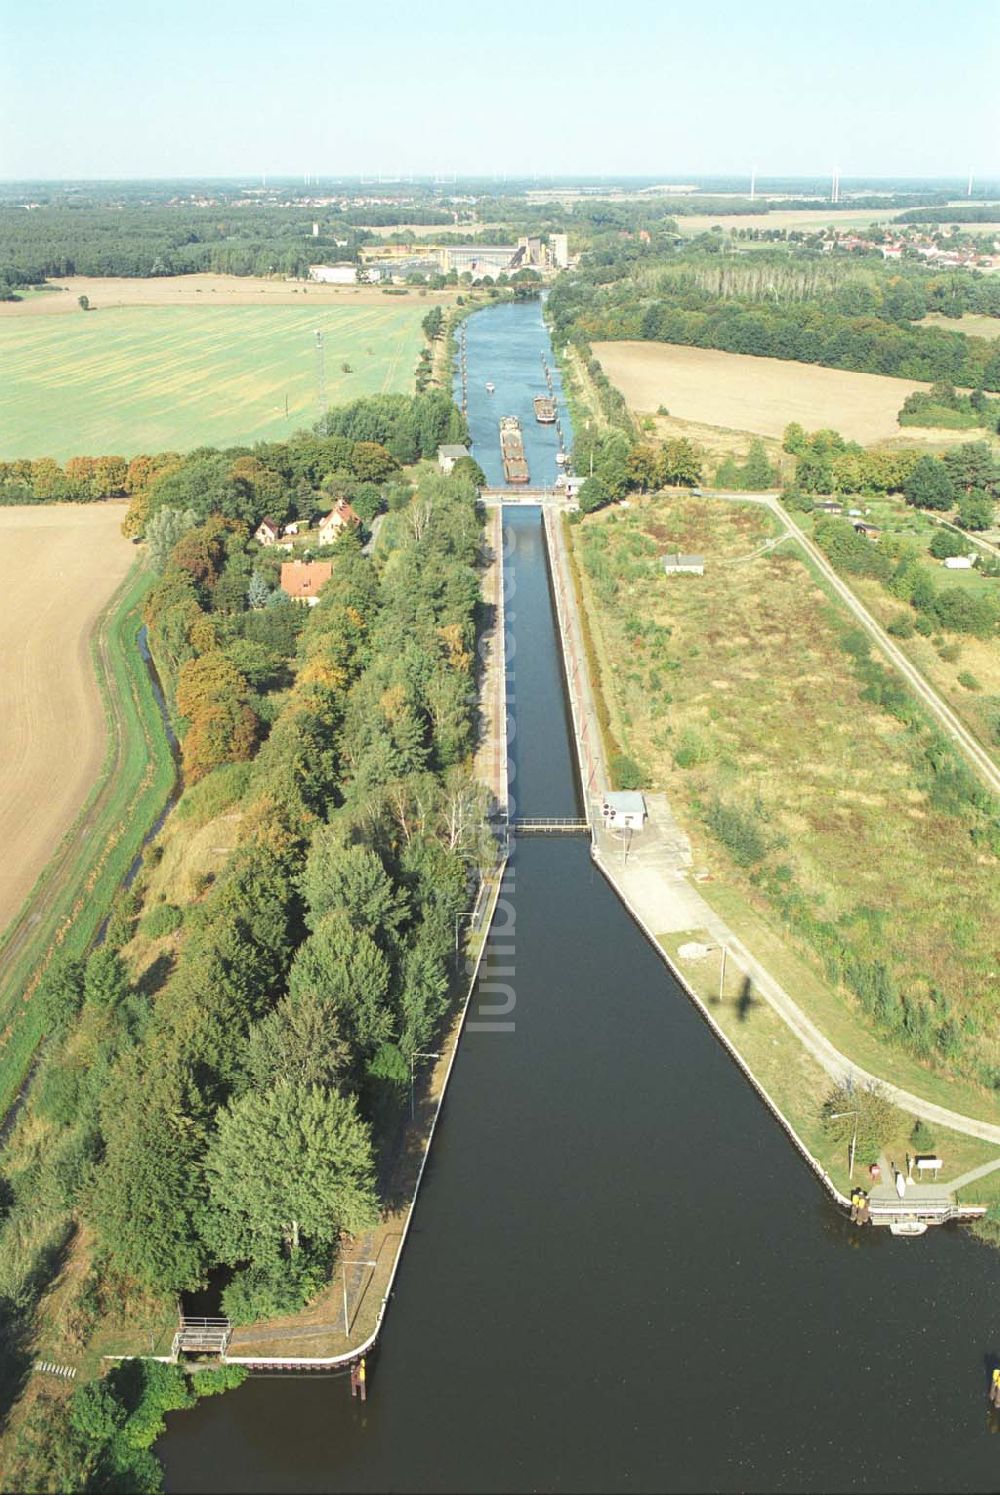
<point x="735" y="690"/>
<point x="66" y="907"/>
<point x="793" y="1079"/>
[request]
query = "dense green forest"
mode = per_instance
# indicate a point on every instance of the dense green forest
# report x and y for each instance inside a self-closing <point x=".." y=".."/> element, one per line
<point x="280" y="1018"/>
<point x="168" y="240"/>
<point x="793" y="303"/>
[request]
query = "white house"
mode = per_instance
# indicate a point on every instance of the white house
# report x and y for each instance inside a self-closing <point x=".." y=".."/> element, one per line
<point x="623" y="810"/>
<point x="267" y="531"/>
<point x="339" y="517"/>
<point x="959" y="562"/>
<point x="449" y="455"/>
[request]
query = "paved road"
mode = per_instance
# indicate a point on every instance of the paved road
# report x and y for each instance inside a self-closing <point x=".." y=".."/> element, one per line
<point x="977" y="756"/>
<point x="653" y="883"/>
<point x="973" y="1174"/>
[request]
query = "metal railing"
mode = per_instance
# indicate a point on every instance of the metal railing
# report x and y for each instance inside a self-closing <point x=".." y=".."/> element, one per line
<point x="567" y="825"/>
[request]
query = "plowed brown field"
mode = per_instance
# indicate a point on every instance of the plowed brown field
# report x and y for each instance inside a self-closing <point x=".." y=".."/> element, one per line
<point x="59" y="565"/>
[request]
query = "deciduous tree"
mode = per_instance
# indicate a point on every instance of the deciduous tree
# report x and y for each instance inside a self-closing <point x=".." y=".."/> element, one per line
<point x="292" y="1164"/>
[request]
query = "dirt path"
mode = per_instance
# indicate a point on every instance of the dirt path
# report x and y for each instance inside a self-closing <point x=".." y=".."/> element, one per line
<point x="59" y="566"/>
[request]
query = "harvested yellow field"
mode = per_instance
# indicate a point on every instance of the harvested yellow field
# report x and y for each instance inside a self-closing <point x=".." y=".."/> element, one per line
<point x="808" y="219"/>
<point x="761" y="395"/>
<point x="199" y="290"/>
<point x="59" y="565"/>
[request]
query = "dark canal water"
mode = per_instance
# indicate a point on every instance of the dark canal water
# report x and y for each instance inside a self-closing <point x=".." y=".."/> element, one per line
<point x="620" y="1277"/>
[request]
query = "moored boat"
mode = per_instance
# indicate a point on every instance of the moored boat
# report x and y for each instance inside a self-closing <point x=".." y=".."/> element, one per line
<point x="907" y="1227"/>
<point x="515" y="464"/>
<point x="545" y="410"/>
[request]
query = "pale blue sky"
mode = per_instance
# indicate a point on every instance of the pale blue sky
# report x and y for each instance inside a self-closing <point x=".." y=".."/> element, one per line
<point x="213" y="87"/>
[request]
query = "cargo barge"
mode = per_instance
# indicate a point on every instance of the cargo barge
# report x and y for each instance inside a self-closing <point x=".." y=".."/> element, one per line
<point x="515" y="465"/>
<point x="545" y="410"/>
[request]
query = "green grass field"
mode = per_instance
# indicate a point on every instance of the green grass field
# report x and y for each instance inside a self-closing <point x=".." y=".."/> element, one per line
<point x="147" y="379"/>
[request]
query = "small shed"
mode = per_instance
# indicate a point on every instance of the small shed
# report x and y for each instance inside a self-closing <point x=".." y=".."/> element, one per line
<point x="959" y="562"/>
<point x="449" y="455"/>
<point x="870" y="531"/>
<point x="684" y="565"/>
<point x="828" y="506"/>
<point x="624" y="810"/>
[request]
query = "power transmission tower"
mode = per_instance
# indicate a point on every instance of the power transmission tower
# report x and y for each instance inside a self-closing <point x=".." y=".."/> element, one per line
<point x="320" y="373"/>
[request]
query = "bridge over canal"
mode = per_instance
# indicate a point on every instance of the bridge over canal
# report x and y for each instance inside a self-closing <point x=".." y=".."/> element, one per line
<point x="547" y="498"/>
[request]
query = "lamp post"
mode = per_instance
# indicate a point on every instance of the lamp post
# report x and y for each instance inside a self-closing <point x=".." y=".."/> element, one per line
<point x="343" y="1272"/>
<point x="836" y="1116"/>
<point x="470" y="914"/>
<point x="413" y="1062"/>
<point x="722" y="972"/>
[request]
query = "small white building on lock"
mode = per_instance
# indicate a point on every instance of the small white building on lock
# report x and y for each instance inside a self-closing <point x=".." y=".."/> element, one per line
<point x="623" y="810"/>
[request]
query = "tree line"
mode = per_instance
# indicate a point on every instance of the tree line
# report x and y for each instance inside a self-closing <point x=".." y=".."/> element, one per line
<point x="236" y="1102"/>
<point x="942" y="405"/>
<point x="348" y="453"/>
<point x="51" y="242"/>
<point x="804" y="311"/>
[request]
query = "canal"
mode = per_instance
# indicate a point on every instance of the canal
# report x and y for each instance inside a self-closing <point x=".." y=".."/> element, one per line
<point x="620" y="1276"/>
